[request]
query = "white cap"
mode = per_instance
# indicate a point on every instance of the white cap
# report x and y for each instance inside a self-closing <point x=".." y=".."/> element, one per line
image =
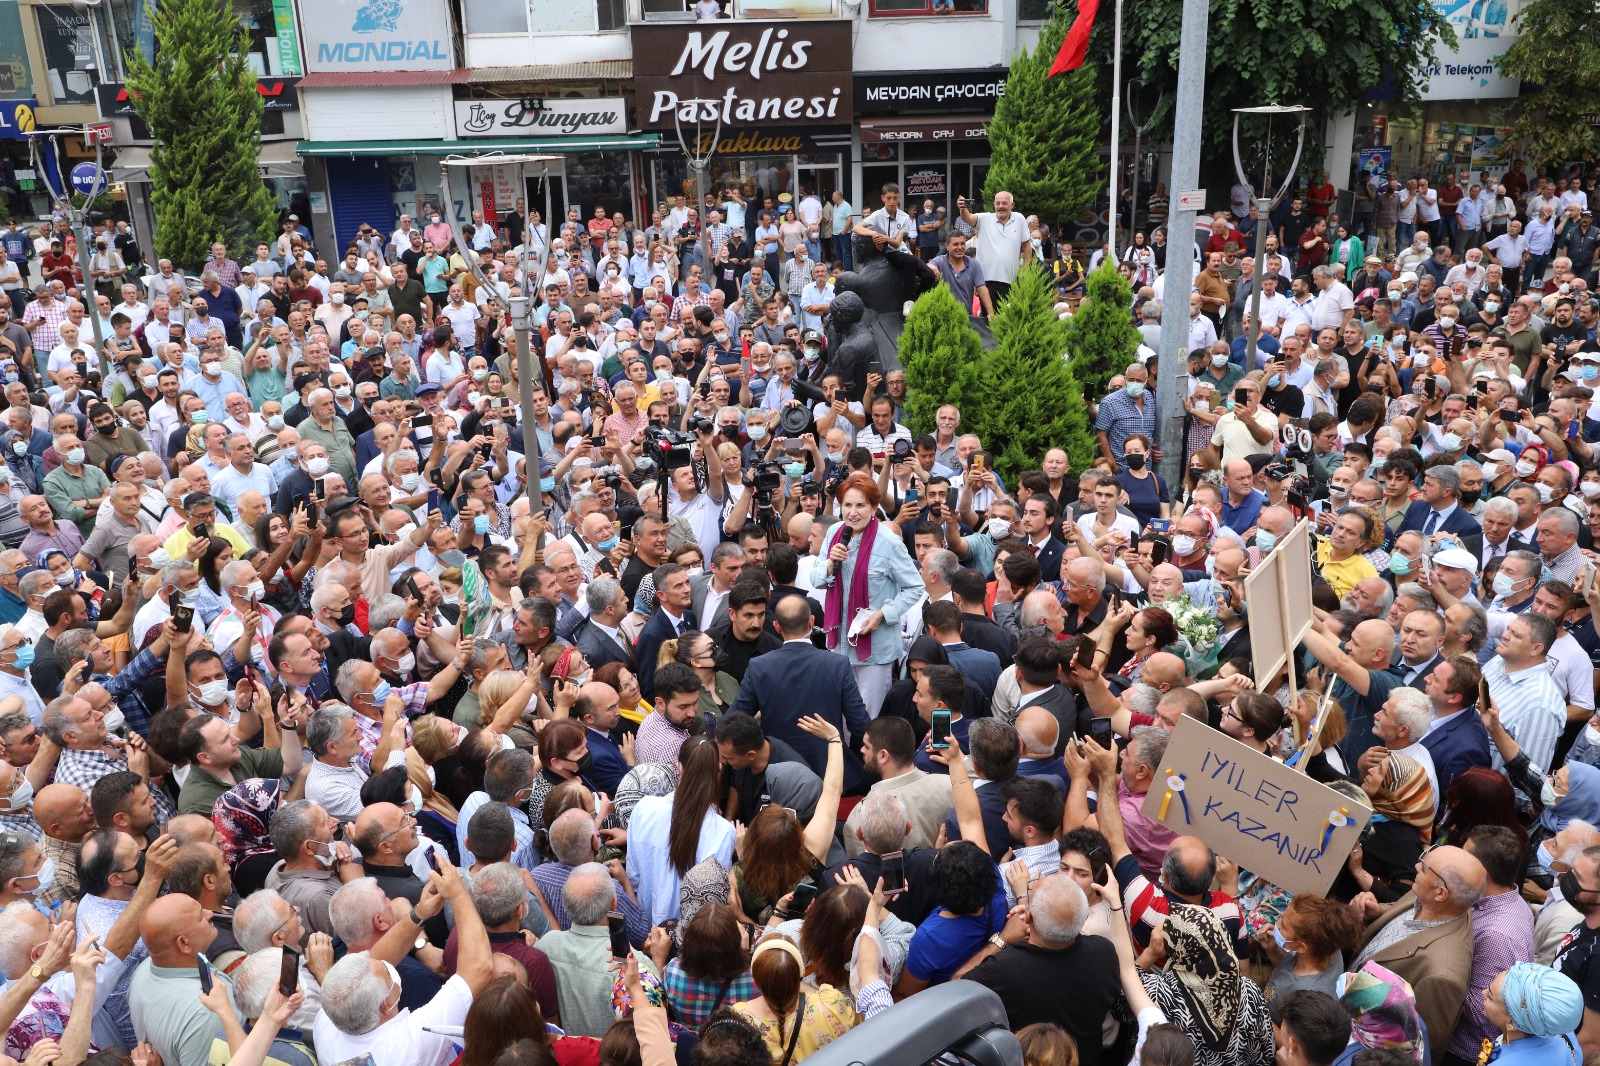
<point x="1456" y="559"/>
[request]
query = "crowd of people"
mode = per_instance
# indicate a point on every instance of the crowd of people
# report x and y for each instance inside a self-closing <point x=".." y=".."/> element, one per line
<point x="760" y="711"/>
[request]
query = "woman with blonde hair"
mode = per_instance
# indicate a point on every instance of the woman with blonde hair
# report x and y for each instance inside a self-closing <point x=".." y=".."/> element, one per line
<point x="700" y="653"/>
<point x="1044" y="1044"/>
<point x="503" y="698"/>
<point x="796" y="1021"/>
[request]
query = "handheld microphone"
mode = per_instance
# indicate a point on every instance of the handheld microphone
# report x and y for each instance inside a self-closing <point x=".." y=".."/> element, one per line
<point x="844" y="538"/>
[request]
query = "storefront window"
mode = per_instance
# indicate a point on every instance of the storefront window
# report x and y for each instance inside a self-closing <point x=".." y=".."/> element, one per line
<point x="270" y="53"/>
<point x="564" y="16"/>
<point x="14" y="81"/>
<point x="902" y="8"/>
<point x="69" y="54"/>
<point x="600" y="178"/>
<point x="1433" y="139"/>
<point x="494" y="16"/>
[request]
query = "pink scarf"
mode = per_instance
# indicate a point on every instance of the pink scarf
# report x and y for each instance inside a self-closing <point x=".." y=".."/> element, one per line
<point x="836" y="619"/>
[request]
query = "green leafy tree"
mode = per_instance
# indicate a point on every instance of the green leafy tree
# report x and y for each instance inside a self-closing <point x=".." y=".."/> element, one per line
<point x="1030" y="402"/>
<point x="1045" y="138"/>
<point x="942" y="356"/>
<point x="1101" y="336"/>
<point x="1552" y="122"/>
<point x="1324" y="55"/>
<point x="200" y="101"/>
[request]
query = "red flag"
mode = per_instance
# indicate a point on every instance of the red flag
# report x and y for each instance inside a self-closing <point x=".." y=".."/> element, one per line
<point x="1076" y="46"/>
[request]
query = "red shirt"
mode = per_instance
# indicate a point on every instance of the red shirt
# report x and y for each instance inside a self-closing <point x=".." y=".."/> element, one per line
<point x="1321" y="198"/>
<point x="310" y="293"/>
<point x="1449" y="197"/>
<point x="1216" y="244"/>
<point x="58" y="267"/>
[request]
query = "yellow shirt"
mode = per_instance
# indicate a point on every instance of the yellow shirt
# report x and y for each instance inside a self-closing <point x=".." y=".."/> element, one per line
<point x="179" y="542"/>
<point x="1343" y="576"/>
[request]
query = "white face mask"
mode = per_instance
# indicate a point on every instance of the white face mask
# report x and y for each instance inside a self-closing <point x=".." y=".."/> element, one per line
<point x="337" y="298"/>
<point x="1526" y="469"/>
<point x="317" y="466"/>
<point x="1184" y="545"/>
<point x="213" y="693"/>
<point x="406" y="665"/>
<point x="1491" y="471"/>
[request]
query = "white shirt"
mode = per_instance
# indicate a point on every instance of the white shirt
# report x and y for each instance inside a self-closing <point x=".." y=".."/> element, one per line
<point x="1331" y="305"/>
<point x="403" y="1040"/>
<point x="649" y="866"/>
<point x="1274" y="309"/>
<point x="336" y="789"/>
<point x="1000" y="246"/>
<point x="22" y="687"/>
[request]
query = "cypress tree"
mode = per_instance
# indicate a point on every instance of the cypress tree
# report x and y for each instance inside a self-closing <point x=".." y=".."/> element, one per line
<point x="200" y="101"/>
<point x="942" y="356"/>
<point x="1045" y="134"/>
<point x="1101" y="336"/>
<point x="1030" y="401"/>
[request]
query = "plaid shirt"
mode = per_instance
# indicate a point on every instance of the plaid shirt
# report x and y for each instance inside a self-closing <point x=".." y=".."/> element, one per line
<point x="796" y="275"/>
<point x="1121" y="417"/>
<point x="715" y="237"/>
<point x="658" y="740"/>
<point x="48" y="335"/>
<point x="84" y="767"/>
<point x="414" y="700"/>
<point x="124" y="687"/>
<point x="1502" y="936"/>
<point x="693" y="1001"/>
<point x="551" y="877"/>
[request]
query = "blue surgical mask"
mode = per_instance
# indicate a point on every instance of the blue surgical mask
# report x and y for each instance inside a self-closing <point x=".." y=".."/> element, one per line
<point x="1134" y="389"/>
<point x="381" y="692"/>
<point x="795" y="470"/>
<point x="1452" y="442"/>
<point x="1591" y="372"/>
<point x="1399" y="565"/>
<point x="1274" y="380"/>
<point x="547" y="484"/>
<point x="1279" y="939"/>
<point x="1504" y="585"/>
<point x="480" y="524"/>
<point x="1266" y="541"/>
<point x="24" y="656"/>
<point x="607" y="544"/>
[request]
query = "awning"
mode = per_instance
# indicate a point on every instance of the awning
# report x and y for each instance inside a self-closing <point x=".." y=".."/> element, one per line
<point x="277" y="159"/>
<point x="931" y="128"/>
<point x="594" y="69"/>
<point x="568" y="145"/>
<point x="366" y="79"/>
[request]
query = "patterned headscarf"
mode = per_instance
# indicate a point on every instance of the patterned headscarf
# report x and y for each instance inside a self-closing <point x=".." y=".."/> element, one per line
<point x="242" y="816"/>
<point x="1383" y="1007"/>
<point x="1406" y="795"/>
<point x="706" y="882"/>
<point x="1200" y="955"/>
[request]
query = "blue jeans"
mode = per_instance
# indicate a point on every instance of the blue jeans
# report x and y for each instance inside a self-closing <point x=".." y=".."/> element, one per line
<point x="1405" y="233"/>
<point x="841" y="249"/>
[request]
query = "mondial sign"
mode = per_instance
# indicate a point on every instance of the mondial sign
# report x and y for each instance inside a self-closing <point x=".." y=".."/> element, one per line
<point x="743" y="74"/>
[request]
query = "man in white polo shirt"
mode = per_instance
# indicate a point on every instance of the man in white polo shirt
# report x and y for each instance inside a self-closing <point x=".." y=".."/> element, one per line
<point x="1000" y="236"/>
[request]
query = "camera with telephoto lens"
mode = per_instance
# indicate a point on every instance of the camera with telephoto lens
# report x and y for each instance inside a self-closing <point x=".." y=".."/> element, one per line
<point x="667" y="449"/>
<point x="765" y="477"/>
<point x="901" y="451"/>
<point x="699" y="424"/>
<point x="809" y="486"/>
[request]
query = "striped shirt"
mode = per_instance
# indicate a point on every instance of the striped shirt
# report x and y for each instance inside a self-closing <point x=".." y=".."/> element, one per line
<point x="1120" y="417"/>
<point x="1531" y="709"/>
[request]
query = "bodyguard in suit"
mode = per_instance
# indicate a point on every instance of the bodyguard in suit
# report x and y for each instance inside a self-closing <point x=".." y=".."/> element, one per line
<point x="1436" y="959"/>
<point x="888" y="751"/>
<point x="942" y="621"/>
<point x="994" y="749"/>
<point x="977" y="628"/>
<point x="1037" y="729"/>
<point x="599" y="636"/>
<point x="798" y="679"/>
<point x="1038" y="677"/>
<point x="1038" y="517"/>
<point x="714" y="584"/>
<point x="1439" y="510"/>
<point x="670" y="619"/>
<point x="1457" y="740"/>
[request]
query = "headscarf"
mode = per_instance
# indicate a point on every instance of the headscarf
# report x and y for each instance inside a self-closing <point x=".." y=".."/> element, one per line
<point x="1383" y="1009"/>
<point x="926" y="649"/>
<point x="1541" y="1001"/>
<point x="19" y="464"/>
<point x="706" y="882"/>
<point x="1407" y="794"/>
<point x="243" y="815"/>
<point x="1200" y="955"/>
<point x="1581" y="803"/>
<point x="646" y="779"/>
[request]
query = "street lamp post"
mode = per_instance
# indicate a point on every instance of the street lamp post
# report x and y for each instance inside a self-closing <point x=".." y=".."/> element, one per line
<point x="1265" y="204"/>
<point x="519" y="308"/>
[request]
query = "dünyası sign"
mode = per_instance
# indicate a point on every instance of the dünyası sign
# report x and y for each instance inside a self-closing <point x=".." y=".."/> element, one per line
<point x="747" y="74"/>
<point x="1271" y="820"/>
<point x="521" y="117"/>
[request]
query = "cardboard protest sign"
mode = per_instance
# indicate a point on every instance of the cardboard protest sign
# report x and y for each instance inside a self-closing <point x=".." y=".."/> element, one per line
<point x="1278" y="594"/>
<point x="1271" y="820"/>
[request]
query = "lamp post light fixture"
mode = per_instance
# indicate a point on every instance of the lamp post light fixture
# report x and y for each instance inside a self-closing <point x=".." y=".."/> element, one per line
<point x="1265" y="204"/>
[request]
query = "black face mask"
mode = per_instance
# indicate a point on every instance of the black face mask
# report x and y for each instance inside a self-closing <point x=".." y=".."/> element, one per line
<point x="1572" y="891"/>
<point x="1135" y="461"/>
<point x="348" y="615"/>
<point x="1470" y="499"/>
<point x="584" y="764"/>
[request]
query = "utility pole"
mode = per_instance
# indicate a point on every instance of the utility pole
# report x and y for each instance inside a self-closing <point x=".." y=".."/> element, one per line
<point x="1172" y="382"/>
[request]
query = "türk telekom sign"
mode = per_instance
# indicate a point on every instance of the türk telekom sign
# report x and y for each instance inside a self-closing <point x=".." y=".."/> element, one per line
<point x="743" y="74"/>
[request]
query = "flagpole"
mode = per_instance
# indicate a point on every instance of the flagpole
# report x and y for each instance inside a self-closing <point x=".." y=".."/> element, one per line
<point x="1116" y="130"/>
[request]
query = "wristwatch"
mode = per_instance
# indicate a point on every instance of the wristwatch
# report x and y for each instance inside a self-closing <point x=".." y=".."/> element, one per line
<point x="416" y="919"/>
<point x="998" y="941"/>
<point x="36" y="972"/>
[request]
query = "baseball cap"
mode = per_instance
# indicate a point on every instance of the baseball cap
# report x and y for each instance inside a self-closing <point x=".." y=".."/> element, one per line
<point x="1408" y="278"/>
<point x="1500" y="455"/>
<point x="425" y="388"/>
<point x="1456" y="559"/>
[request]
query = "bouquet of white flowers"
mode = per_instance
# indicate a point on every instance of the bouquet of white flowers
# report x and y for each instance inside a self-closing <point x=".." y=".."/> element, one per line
<point x="1197" y="631"/>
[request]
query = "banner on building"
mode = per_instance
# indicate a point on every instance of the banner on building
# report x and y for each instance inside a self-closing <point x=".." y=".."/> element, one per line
<point x="532" y="116"/>
<point x="361" y="35"/>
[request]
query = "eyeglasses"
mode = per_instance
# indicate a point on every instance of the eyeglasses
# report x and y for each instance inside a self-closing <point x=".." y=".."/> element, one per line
<point x="1422" y="860"/>
<point x="406" y="822"/>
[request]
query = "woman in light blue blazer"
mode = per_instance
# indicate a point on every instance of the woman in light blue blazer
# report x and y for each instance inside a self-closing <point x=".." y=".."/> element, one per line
<point x="869" y="581"/>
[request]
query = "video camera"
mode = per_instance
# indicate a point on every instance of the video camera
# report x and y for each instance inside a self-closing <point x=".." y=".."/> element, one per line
<point x="668" y="449"/>
<point x="766" y="477"/>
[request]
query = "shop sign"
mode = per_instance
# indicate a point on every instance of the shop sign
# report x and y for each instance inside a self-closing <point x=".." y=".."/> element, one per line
<point x="16" y="118"/>
<point x="277" y="94"/>
<point x="749" y="74"/>
<point x="898" y="92"/>
<point x="925" y="130"/>
<point x="758" y="142"/>
<point x="363" y="35"/>
<point x="519" y="118"/>
<point x="1472" y="71"/>
<point x="925" y="183"/>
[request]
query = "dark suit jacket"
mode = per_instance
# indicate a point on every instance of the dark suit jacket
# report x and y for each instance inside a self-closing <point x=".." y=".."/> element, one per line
<point x="295" y="491"/>
<point x="978" y="666"/>
<point x="1459" y="522"/>
<point x="1051" y="770"/>
<point x="993" y="805"/>
<point x="344" y="646"/>
<point x="912" y="905"/>
<point x="1457" y="746"/>
<point x="366" y="449"/>
<point x="980" y="631"/>
<point x="356" y="420"/>
<point x="797" y="680"/>
<point x="1072" y="719"/>
<point x="598" y="648"/>
<point x="1050" y="558"/>
<point x="698" y="586"/>
<point x="1416" y="682"/>
<point x="658" y="628"/>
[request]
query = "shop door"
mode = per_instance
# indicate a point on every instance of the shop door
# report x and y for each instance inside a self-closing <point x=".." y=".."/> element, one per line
<point x="556" y="207"/>
<point x="822" y="178"/>
<point x="358" y="192"/>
